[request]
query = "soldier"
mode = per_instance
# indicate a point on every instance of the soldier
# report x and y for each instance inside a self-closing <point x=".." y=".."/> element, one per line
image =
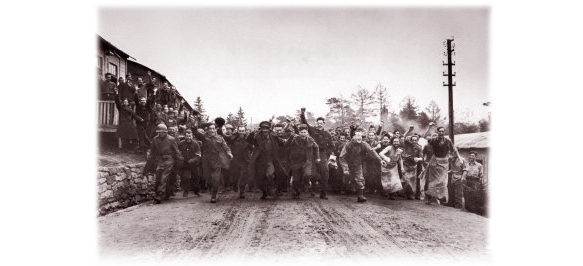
<point x="165" y="152"/>
<point x="282" y="179"/>
<point x="353" y="153"/>
<point x="215" y="156"/>
<point x="303" y="152"/>
<point x="241" y="150"/>
<point x="264" y="161"/>
<point x="189" y="175"/>
<point x="326" y="147"/>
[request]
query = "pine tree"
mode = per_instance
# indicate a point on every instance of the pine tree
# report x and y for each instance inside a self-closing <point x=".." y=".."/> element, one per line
<point x="198" y="105"/>
<point x="240" y="117"/>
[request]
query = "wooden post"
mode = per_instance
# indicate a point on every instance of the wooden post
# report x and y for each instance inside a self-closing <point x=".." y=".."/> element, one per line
<point x="450" y="84"/>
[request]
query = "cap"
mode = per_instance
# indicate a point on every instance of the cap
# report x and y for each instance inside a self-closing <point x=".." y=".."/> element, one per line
<point x="302" y="127"/>
<point x="264" y="124"/>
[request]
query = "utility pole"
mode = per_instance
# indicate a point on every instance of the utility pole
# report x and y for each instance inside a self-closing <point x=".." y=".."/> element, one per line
<point x="450" y="83"/>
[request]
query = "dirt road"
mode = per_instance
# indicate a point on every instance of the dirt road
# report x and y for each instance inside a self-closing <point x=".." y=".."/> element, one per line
<point x="283" y="230"/>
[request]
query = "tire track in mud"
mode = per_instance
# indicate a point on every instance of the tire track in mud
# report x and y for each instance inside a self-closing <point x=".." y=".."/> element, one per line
<point x="205" y="243"/>
<point x="373" y="226"/>
<point x="336" y="229"/>
<point x="239" y="231"/>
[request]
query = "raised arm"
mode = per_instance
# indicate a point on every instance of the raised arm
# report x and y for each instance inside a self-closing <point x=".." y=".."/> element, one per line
<point x="383" y="154"/>
<point x="428" y="128"/>
<point x="380" y="129"/>
<point x="409" y="130"/>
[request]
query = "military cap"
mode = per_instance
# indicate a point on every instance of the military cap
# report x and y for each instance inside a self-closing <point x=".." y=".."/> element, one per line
<point x="264" y="124"/>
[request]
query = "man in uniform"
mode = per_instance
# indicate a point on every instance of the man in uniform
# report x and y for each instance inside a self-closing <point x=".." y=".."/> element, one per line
<point x="303" y="152"/>
<point x="189" y="176"/>
<point x="326" y="147"/>
<point x="264" y="161"/>
<point x="241" y="150"/>
<point x="353" y="153"/>
<point x="165" y="152"/>
<point x="216" y="155"/>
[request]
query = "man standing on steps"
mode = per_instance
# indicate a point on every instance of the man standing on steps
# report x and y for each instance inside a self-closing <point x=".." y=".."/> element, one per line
<point x="165" y="152"/>
<point x="353" y="154"/>
<point x="189" y="177"/>
<point x="326" y="147"/>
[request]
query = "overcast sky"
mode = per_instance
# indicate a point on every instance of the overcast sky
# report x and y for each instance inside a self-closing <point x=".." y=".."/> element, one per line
<point x="272" y="61"/>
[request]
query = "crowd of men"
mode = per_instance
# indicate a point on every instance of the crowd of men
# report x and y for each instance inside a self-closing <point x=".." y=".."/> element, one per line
<point x="286" y="157"/>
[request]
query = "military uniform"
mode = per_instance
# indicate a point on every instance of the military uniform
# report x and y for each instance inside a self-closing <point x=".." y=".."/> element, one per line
<point x="189" y="175"/>
<point x="264" y="160"/>
<point x="165" y="153"/>
<point x="326" y="147"/>
<point x="353" y="154"/>
<point x="302" y="154"/>
<point x="214" y="159"/>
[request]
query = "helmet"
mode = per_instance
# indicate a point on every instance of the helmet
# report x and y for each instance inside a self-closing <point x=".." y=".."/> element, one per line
<point x="161" y="128"/>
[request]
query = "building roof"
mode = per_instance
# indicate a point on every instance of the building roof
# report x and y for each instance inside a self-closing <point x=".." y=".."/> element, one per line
<point x="472" y="140"/>
<point x="107" y="45"/>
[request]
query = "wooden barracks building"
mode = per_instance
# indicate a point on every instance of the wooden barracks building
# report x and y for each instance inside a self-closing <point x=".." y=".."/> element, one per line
<point x="111" y="59"/>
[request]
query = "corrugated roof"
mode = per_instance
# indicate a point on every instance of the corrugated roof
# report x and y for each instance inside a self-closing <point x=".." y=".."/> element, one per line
<point x="472" y="140"/>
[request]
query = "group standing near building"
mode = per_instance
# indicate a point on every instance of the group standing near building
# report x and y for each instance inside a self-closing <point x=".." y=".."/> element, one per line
<point x="186" y="151"/>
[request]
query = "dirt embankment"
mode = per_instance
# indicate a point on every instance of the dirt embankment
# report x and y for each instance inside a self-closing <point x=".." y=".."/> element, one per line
<point x="284" y="230"/>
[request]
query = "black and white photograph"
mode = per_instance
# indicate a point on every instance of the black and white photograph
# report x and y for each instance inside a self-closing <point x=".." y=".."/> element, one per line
<point x="296" y="133"/>
<point x="285" y="135"/>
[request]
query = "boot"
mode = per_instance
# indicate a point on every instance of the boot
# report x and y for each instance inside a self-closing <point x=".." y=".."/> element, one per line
<point x="264" y="195"/>
<point x="361" y="197"/>
<point x="185" y="194"/>
<point x="242" y="193"/>
<point x="323" y="195"/>
<point x="296" y="194"/>
<point x="311" y="191"/>
<point x="214" y="195"/>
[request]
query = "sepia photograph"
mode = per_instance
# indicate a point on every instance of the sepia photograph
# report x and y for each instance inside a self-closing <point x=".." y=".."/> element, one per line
<point x="290" y="133"/>
<point x="293" y="135"/>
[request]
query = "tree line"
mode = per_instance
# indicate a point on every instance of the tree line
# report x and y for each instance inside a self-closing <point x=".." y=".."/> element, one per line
<point x="365" y="104"/>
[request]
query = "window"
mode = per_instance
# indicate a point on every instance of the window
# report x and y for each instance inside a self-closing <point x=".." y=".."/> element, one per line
<point x="113" y="69"/>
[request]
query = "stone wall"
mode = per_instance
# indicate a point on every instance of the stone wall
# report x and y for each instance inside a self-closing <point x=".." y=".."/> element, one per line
<point x="122" y="187"/>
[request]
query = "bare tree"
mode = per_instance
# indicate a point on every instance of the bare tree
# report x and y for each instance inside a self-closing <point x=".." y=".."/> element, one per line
<point x="363" y="98"/>
<point x="433" y="111"/>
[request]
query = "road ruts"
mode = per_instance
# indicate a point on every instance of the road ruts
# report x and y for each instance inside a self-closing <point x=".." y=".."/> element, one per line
<point x="282" y="229"/>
